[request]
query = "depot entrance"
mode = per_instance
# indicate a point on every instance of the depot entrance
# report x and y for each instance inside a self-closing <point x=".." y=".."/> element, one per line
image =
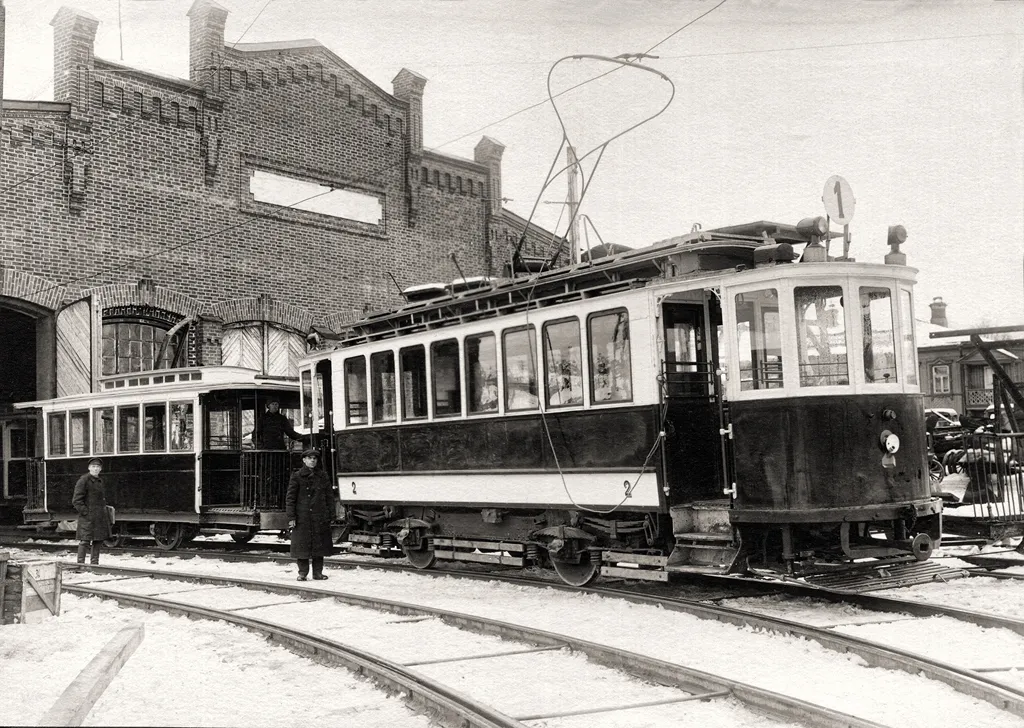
<point x="26" y="373"/>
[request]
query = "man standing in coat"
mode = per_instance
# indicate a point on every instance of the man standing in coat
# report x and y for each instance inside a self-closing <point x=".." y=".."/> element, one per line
<point x="271" y="428"/>
<point x="309" y="505"/>
<point x="90" y="501"/>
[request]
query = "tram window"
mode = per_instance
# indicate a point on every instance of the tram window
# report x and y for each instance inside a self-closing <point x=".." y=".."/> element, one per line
<point x="758" y="340"/>
<point x="79" y="433"/>
<point x="155" y="422"/>
<point x="611" y="369"/>
<point x="520" y="355"/>
<point x="444" y="368"/>
<point x="382" y="385"/>
<point x="413" y="363"/>
<point x="563" y="363"/>
<point x="909" y="347"/>
<point x="128" y="429"/>
<point x="307" y="398"/>
<point x="355" y="391"/>
<point x="821" y="336"/>
<point x="482" y="373"/>
<point x="222" y="431"/>
<point x="56" y="425"/>
<point x="181" y="426"/>
<point x="879" y="337"/>
<point x="103" y="430"/>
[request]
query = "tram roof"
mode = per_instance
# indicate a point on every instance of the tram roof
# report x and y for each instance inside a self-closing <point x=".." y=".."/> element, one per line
<point x="174" y="382"/>
<point x="715" y="250"/>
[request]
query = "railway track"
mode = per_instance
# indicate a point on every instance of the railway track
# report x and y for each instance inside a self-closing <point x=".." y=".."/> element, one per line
<point x="971" y="682"/>
<point x="684" y="684"/>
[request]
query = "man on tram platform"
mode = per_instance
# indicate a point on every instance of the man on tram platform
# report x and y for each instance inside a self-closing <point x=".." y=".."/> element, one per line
<point x="271" y="428"/>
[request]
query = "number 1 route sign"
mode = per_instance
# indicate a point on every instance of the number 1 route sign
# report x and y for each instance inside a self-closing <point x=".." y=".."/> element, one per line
<point x="838" y="199"/>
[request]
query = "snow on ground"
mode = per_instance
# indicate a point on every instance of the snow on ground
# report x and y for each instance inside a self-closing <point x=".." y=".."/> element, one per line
<point x="961" y="644"/>
<point x="183" y="673"/>
<point x="789" y="665"/>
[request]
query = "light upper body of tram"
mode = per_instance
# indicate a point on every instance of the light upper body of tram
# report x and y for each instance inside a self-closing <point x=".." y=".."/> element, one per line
<point x="787" y="330"/>
<point x="156" y="412"/>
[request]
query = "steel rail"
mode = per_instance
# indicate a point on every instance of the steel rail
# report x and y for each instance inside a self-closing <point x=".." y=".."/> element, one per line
<point x="961" y="679"/>
<point x="424" y="693"/>
<point x="641" y="666"/>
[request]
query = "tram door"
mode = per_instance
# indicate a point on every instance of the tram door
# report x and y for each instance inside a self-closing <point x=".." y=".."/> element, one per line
<point x="324" y="392"/>
<point x="693" y="448"/>
<point x="19" y="448"/>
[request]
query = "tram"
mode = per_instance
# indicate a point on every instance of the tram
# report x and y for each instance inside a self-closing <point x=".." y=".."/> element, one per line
<point x="720" y="402"/>
<point x="178" y="451"/>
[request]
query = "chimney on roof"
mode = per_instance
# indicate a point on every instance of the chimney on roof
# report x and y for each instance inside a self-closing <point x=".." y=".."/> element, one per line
<point x="206" y="20"/>
<point x="74" y="33"/>
<point x="938" y="307"/>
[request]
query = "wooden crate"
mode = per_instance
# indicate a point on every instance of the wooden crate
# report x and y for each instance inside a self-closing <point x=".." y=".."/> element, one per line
<point x="29" y="589"/>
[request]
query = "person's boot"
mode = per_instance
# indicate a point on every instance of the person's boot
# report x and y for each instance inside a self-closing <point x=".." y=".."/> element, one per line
<point x="318" y="568"/>
<point x="303" y="569"/>
<point x="95" y="556"/>
<point x="82" y="548"/>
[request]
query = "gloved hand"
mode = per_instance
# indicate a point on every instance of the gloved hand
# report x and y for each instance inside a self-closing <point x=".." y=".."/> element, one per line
<point x="291" y="523"/>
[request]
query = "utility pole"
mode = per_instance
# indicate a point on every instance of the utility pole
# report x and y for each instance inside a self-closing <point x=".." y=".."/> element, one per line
<point x="574" y="203"/>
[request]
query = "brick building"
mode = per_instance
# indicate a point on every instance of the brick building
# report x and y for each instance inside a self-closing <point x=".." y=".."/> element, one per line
<point x="149" y="221"/>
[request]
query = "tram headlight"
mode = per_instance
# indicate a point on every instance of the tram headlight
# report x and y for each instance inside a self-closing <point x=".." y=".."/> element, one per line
<point x="889" y="441"/>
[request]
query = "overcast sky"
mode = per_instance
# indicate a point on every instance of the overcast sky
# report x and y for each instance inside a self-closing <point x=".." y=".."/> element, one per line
<point x="918" y="105"/>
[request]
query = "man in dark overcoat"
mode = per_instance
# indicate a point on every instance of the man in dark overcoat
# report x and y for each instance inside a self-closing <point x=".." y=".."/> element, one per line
<point x="271" y="428"/>
<point x="309" y="505"/>
<point x="90" y="501"/>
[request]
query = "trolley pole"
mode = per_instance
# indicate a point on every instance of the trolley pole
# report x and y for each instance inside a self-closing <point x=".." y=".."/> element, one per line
<point x="574" y="203"/>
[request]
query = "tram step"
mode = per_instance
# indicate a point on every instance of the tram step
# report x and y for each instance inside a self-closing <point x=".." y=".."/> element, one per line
<point x="707" y="536"/>
<point x="626" y="565"/>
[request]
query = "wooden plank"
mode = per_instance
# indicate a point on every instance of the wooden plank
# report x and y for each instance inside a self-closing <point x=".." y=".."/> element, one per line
<point x="77" y="700"/>
<point x="480" y="558"/>
<point x="463" y="544"/>
<point x="626" y="557"/>
<point x="626" y="573"/>
<point x="74" y="348"/>
<point x="41" y="588"/>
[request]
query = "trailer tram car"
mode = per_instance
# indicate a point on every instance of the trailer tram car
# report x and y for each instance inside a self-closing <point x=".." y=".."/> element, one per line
<point x="178" y="453"/>
<point x="708" y="404"/>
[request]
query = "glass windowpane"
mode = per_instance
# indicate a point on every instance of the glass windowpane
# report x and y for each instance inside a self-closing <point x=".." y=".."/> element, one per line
<point x="520" y="359"/>
<point x="563" y="364"/>
<point x="821" y="336"/>
<point x="182" y="427"/>
<point x="444" y="367"/>
<point x="611" y="374"/>
<point x="482" y="373"/>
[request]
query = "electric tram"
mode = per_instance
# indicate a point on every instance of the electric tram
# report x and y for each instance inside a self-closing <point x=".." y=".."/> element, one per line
<point x="724" y="401"/>
<point x="179" y="453"/>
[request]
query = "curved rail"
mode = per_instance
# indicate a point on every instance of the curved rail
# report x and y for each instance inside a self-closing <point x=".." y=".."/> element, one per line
<point x="637" y="665"/>
<point x="441" y="700"/>
<point x="961" y="679"/>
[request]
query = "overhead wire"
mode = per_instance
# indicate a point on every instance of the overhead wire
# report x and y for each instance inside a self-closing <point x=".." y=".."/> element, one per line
<point x="576" y="161"/>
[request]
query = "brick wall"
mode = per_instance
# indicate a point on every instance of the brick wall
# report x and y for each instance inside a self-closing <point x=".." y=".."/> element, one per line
<point x="135" y="165"/>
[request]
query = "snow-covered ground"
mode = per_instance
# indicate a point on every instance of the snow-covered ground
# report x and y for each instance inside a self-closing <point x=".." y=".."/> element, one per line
<point x="789" y="665"/>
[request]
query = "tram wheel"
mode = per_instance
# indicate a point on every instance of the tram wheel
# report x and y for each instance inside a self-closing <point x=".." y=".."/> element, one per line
<point x="242" y="537"/>
<point x="168" y="535"/>
<point x="116" y="540"/>
<point x="422" y="557"/>
<point x="577" y="573"/>
<point x="936" y="471"/>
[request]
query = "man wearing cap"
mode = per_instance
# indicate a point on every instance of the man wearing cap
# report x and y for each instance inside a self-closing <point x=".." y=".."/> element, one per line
<point x="271" y="428"/>
<point x="309" y="505"/>
<point x="90" y="501"/>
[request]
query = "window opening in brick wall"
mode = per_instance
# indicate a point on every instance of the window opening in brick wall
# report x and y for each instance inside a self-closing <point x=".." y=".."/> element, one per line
<point x="298" y="194"/>
<point x="137" y="346"/>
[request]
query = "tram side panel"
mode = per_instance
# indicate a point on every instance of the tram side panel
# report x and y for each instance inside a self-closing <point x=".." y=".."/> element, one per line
<point x="608" y="446"/>
<point x="135" y="485"/>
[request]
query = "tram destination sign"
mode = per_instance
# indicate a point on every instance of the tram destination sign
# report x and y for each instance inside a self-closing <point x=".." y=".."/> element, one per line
<point x="839" y="200"/>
